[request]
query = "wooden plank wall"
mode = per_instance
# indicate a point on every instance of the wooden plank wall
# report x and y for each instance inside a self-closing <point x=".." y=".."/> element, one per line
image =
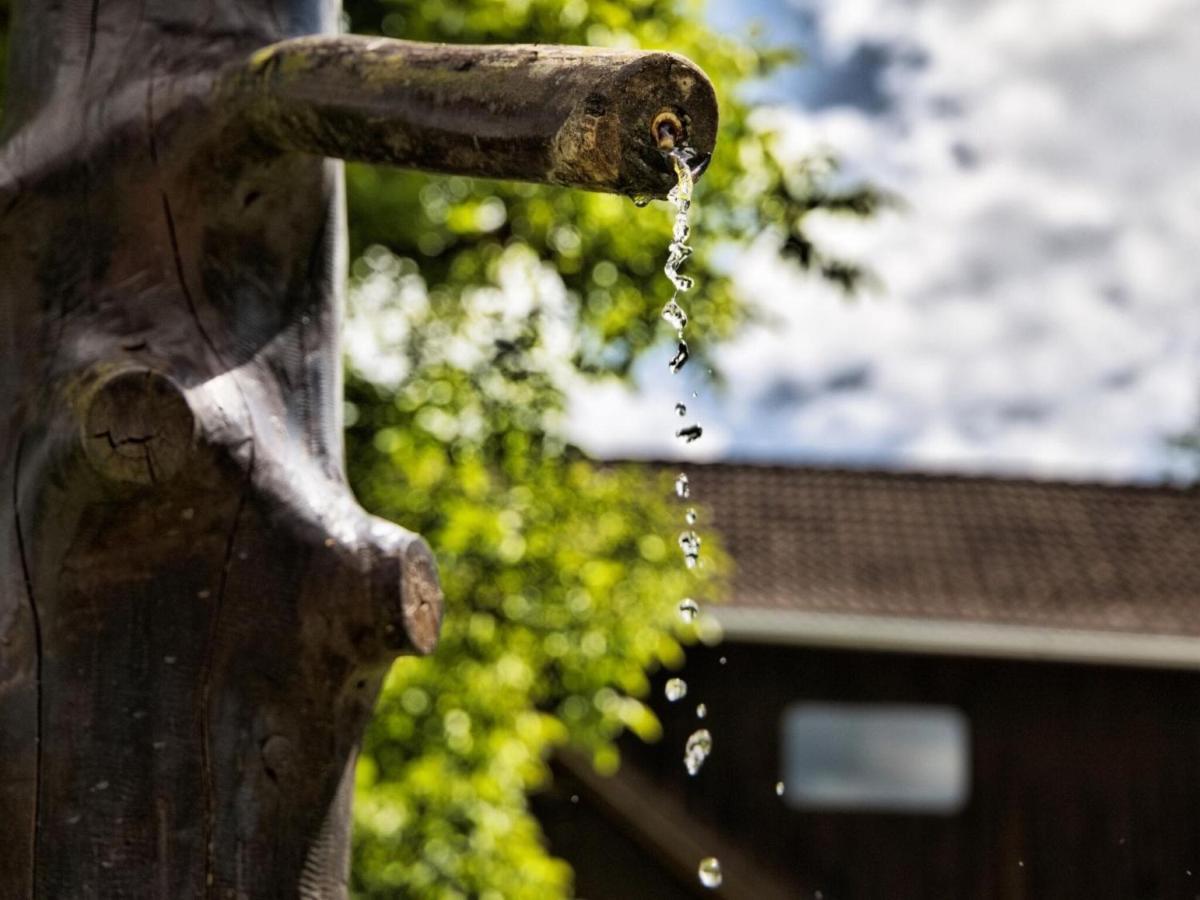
<point x="1086" y="779"/>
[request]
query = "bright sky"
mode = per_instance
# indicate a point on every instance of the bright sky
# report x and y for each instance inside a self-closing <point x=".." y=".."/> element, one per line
<point x="1040" y="312"/>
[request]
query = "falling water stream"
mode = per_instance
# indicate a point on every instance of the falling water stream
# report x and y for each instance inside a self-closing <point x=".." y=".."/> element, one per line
<point x="699" y="743"/>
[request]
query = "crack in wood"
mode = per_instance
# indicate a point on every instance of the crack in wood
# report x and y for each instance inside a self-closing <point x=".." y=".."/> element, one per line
<point x="114" y="443"/>
<point x="206" y="672"/>
<point x="173" y="236"/>
<point x="91" y="47"/>
<point x="36" y="623"/>
<point x="179" y="272"/>
<point x="142" y="441"/>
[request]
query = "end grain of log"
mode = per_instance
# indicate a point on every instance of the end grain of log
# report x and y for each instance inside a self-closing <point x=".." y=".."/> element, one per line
<point x="137" y="427"/>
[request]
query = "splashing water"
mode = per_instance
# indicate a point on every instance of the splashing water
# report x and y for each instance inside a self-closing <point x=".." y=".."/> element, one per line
<point x="675" y="315"/>
<point x="676" y="689"/>
<point x="689" y="543"/>
<point x="699" y="744"/>
<point x="696" y="751"/>
<point x="681" y="197"/>
<point x="678" y="251"/>
<point x="679" y="360"/>
<point x="682" y="489"/>
<point x="710" y="872"/>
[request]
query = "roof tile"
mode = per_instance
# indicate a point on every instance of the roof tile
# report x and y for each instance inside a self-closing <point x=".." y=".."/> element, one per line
<point x="1050" y="554"/>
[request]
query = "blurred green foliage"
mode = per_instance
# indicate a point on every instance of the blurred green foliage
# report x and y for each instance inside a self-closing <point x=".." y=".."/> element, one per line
<point x="561" y="575"/>
<point x="562" y="581"/>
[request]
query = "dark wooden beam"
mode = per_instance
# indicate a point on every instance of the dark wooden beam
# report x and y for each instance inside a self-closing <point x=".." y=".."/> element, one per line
<point x="576" y="116"/>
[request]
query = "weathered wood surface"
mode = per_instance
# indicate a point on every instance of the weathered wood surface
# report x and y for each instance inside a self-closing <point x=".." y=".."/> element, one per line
<point x="576" y="116"/>
<point x="195" y="614"/>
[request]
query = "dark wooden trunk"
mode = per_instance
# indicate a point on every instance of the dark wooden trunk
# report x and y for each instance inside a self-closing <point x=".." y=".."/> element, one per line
<point x="195" y="614"/>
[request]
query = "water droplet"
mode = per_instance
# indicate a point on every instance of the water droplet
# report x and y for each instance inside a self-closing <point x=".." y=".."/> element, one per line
<point x="641" y="201"/>
<point x="696" y="751"/>
<point x="689" y="543"/>
<point x="722" y="660"/>
<point x="676" y="689"/>
<point x="679" y="360"/>
<point x="682" y="489"/>
<point x="710" y="872"/>
<point x="682" y="154"/>
<point x="675" y="315"/>
<point x="701" y="711"/>
<point x="680" y="409"/>
<point x="691" y="433"/>
<point x="682" y="201"/>
<point x="688" y="609"/>
<point x="690" y="516"/>
<point x="682" y="192"/>
<point x="681" y="282"/>
<point x="779" y="789"/>
<point x="678" y="253"/>
<point x="574" y="798"/>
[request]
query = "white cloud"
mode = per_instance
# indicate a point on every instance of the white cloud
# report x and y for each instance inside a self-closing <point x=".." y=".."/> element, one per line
<point x="1042" y="287"/>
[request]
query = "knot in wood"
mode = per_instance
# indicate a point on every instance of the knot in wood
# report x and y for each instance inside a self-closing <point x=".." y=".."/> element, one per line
<point x="137" y="427"/>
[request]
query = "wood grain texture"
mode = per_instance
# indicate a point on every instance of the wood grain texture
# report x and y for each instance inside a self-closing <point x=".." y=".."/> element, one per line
<point x="576" y="116"/>
<point x="195" y="614"/>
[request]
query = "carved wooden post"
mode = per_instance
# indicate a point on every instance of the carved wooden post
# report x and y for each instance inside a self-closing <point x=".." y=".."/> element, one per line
<point x="195" y="615"/>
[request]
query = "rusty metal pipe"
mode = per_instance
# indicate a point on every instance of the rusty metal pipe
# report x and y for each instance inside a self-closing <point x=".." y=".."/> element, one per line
<point x="576" y="116"/>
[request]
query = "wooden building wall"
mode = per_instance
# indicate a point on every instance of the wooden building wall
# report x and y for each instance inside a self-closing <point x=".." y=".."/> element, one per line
<point x="1085" y="781"/>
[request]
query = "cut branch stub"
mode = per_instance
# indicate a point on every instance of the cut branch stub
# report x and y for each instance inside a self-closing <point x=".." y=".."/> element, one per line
<point x="137" y="427"/>
<point x="576" y="116"/>
<point x="420" y="601"/>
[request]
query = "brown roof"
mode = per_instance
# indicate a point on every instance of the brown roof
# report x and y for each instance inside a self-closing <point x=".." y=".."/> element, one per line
<point x="1026" y="553"/>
